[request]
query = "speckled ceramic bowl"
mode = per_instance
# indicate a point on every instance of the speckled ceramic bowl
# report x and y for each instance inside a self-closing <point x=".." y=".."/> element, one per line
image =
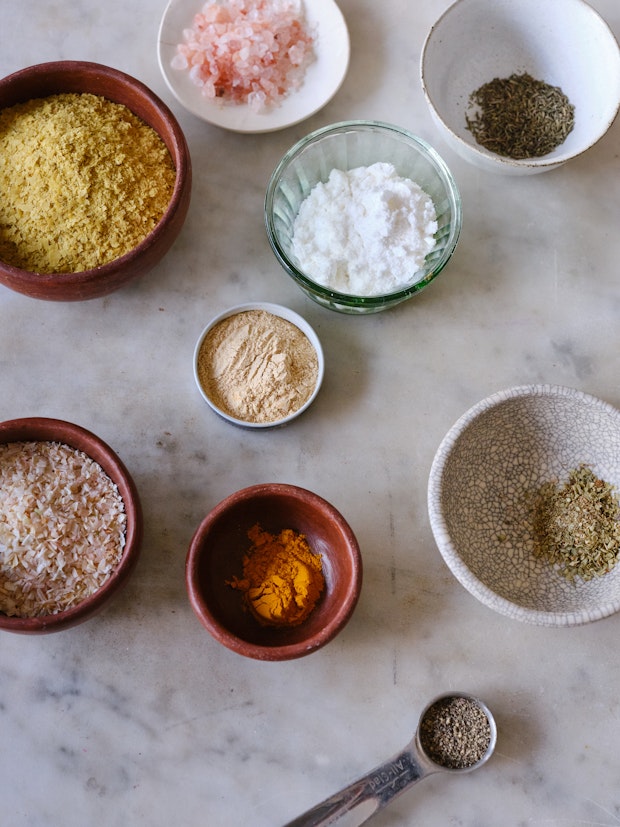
<point x="481" y="479"/>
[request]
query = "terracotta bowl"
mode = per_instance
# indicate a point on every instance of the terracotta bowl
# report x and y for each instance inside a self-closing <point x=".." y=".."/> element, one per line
<point x="216" y="553"/>
<point x="46" y="79"/>
<point x="55" y="430"/>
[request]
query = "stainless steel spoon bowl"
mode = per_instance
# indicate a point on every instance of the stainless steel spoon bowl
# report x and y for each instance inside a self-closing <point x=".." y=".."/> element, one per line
<point x="422" y="756"/>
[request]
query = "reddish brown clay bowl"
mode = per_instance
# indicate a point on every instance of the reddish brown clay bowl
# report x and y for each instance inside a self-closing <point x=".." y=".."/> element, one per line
<point x="56" y="430"/>
<point x="46" y="79"/>
<point x="216" y="553"/>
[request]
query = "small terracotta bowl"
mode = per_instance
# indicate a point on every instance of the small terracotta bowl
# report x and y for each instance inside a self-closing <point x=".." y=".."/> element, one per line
<point x="45" y="79"/>
<point x="56" y="430"/>
<point x="216" y="553"/>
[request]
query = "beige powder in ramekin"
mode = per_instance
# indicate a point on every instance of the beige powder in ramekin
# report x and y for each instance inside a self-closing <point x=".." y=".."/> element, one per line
<point x="257" y="367"/>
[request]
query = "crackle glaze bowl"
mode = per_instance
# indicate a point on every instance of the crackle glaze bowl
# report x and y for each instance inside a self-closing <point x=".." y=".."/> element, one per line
<point x="45" y="79"/>
<point x="43" y="429"/>
<point x="479" y="499"/>
<point x="216" y="554"/>
<point x="345" y="146"/>
<point x="564" y="43"/>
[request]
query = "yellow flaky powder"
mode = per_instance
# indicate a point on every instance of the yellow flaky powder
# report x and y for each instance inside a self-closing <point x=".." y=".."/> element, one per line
<point x="282" y="578"/>
<point x="82" y="181"/>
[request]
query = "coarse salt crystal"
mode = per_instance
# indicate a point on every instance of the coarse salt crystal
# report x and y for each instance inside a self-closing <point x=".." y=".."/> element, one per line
<point x="236" y="49"/>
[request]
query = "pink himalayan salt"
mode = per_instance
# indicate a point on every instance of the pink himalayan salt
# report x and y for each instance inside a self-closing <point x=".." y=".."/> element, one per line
<point x="246" y="51"/>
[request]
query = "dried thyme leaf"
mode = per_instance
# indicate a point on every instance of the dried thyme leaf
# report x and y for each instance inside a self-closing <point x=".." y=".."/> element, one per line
<point x="577" y="525"/>
<point x="520" y="117"/>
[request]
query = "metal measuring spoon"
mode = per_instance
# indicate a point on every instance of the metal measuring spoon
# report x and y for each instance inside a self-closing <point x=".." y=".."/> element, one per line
<point x="363" y="798"/>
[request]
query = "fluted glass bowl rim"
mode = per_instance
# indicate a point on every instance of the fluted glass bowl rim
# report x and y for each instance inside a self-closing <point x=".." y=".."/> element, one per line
<point x="346" y="299"/>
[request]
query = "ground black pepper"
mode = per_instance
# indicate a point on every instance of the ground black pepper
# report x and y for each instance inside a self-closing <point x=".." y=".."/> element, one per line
<point x="455" y="732"/>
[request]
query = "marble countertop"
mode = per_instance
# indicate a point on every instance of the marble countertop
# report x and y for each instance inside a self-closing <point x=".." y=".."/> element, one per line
<point x="139" y="717"/>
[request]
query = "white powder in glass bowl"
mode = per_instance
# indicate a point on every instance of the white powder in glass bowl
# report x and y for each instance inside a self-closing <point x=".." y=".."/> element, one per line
<point x="365" y="232"/>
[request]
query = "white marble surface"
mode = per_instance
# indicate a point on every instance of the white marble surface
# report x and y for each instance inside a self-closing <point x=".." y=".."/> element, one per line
<point x="138" y="717"/>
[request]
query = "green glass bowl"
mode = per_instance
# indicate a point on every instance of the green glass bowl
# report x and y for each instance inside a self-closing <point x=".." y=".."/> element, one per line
<point x="346" y="146"/>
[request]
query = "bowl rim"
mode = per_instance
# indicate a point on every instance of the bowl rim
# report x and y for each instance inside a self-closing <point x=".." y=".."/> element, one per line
<point x="349" y="299"/>
<point x="443" y="541"/>
<point x="278" y="652"/>
<point x="48" y="429"/>
<point x="485" y="155"/>
<point x="284" y="313"/>
<point x="179" y="153"/>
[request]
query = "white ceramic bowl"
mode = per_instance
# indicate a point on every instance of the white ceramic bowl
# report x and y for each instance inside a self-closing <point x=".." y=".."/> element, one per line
<point x="564" y="43"/>
<point x="486" y="467"/>
<point x="284" y="313"/>
<point x="322" y="79"/>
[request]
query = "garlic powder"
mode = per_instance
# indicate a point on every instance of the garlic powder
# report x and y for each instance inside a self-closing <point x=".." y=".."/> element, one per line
<point x="257" y="367"/>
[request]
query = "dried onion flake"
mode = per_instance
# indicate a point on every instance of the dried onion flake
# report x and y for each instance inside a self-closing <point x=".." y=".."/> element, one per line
<point x="62" y="527"/>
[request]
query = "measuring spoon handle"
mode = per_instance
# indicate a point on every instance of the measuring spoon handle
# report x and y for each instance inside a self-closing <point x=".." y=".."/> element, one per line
<point x="363" y="798"/>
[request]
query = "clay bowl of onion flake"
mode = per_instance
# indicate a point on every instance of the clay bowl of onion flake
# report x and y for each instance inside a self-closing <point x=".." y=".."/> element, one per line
<point x="78" y="474"/>
<point x="215" y="559"/>
<point x="162" y="217"/>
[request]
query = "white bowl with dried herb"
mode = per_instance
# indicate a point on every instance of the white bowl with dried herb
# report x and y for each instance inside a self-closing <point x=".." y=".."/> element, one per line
<point x="521" y="88"/>
<point x="524" y="504"/>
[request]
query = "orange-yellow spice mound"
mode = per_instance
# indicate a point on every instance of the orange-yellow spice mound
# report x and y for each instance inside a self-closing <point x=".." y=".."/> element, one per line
<point x="282" y="578"/>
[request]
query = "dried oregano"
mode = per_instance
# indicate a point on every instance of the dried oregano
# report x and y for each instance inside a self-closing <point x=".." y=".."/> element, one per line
<point x="577" y="525"/>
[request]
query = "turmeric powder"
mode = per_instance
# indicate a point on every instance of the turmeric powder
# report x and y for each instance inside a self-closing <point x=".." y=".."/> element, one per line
<point x="282" y="578"/>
